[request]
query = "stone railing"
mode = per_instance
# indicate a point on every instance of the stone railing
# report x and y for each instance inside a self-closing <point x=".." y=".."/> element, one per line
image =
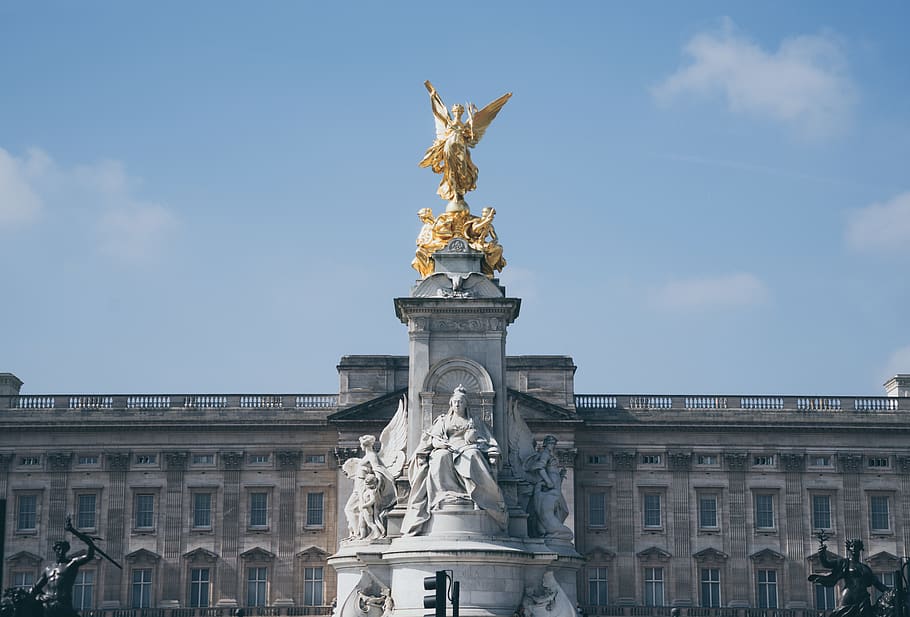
<point x="249" y="611"/>
<point x="704" y="402"/>
<point x="664" y="611"/>
<point x="176" y="402"/>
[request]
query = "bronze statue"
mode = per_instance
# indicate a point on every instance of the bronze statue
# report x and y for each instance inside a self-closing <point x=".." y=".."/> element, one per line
<point x="450" y="153"/>
<point x="857" y="577"/>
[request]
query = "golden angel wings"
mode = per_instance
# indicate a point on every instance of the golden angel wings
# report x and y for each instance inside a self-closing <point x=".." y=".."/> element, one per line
<point x="450" y="155"/>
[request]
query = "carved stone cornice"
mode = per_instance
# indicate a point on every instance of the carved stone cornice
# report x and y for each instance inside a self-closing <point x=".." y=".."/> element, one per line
<point x="59" y="461"/>
<point x="118" y="461"/>
<point x="793" y="461"/>
<point x="566" y="456"/>
<point x="679" y="461"/>
<point x="288" y="460"/>
<point x="851" y="462"/>
<point x="904" y="463"/>
<point x="343" y="454"/>
<point x="231" y="461"/>
<point x="736" y="461"/>
<point x="624" y="461"/>
<point x="175" y="461"/>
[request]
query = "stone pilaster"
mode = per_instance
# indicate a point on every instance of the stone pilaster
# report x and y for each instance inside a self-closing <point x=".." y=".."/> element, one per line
<point x="680" y="463"/>
<point x="175" y="467"/>
<point x="851" y="466"/>
<point x="797" y="522"/>
<point x="118" y="464"/>
<point x="288" y="464"/>
<point x="737" y="463"/>
<point x="58" y="464"/>
<point x="624" y="527"/>
<point x="903" y="465"/>
<point x="228" y="574"/>
<point x="567" y="458"/>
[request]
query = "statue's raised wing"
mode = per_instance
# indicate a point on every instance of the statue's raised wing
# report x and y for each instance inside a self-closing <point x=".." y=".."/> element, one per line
<point x="521" y="441"/>
<point x="440" y="113"/>
<point x="480" y="120"/>
<point x="394" y="439"/>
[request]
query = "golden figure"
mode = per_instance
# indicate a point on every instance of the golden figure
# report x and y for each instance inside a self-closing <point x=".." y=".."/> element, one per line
<point x="477" y="230"/>
<point x="450" y="155"/>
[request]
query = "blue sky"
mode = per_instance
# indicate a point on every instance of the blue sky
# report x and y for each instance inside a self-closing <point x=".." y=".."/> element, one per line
<point x="704" y="197"/>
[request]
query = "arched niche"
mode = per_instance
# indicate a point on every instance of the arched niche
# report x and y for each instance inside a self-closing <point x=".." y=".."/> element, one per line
<point x="446" y="375"/>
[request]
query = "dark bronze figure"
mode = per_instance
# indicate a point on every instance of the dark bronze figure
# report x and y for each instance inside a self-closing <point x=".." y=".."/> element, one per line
<point x="857" y="577"/>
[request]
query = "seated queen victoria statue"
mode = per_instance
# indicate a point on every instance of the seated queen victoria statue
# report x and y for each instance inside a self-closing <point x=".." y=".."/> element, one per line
<point x="451" y="465"/>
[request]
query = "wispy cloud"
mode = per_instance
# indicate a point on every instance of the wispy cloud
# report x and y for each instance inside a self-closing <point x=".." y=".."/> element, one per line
<point x="102" y="195"/>
<point x="710" y="293"/>
<point x="19" y="203"/>
<point x="804" y="84"/>
<point x="881" y="228"/>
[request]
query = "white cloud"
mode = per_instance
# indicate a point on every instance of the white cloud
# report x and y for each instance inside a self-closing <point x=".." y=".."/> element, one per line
<point x="19" y="203"/>
<point x="898" y="363"/>
<point x="883" y="228"/>
<point x="101" y="196"/>
<point x="710" y="293"/>
<point x="804" y="84"/>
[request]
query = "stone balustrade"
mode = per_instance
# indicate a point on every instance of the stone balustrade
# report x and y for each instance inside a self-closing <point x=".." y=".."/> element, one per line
<point x="664" y="611"/>
<point x="172" y="402"/>
<point x="801" y="404"/>
<point x="249" y="611"/>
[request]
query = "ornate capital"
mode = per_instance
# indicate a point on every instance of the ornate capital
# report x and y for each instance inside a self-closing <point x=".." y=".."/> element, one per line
<point x="737" y="461"/>
<point x="624" y="461"/>
<point x="902" y="461"/>
<point x="231" y="461"/>
<point x="288" y="460"/>
<point x="851" y="462"/>
<point x="343" y="454"/>
<point x="59" y="461"/>
<point x="793" y="462"/>
<point x="566" y="456"/>
<point x="118" y="461"/>
<point x="679" y="461"/>
<point x="5" y="460"/>
<point x="175" y="461"/>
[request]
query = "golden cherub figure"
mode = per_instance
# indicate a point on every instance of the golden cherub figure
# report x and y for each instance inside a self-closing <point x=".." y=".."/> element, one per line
<point x="450" y="153"/>
<point x="477" y="230"/>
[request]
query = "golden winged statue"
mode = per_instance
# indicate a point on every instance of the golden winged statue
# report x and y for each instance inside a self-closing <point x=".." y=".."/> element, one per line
<point x="450" y="153"/>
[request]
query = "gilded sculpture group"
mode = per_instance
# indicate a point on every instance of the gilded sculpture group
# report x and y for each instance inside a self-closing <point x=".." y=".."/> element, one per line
<point x="476" y="230"/>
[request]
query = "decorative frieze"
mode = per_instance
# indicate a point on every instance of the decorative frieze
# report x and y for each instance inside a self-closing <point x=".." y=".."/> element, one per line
<point x="624" y="461"/>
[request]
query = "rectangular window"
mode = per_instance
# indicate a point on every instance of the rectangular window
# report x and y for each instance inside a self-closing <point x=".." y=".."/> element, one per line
<point x="88" y="460"/>
<point x="145" y="511"/>
<point x="30" y="461"/>
<point x="887" y="579"/>
<point x="83" y="590"/>
<point x="821" y="512"/>
<point x="27" y="513"/>
<point x="879" y="514"/>
<point x="824" y="598"/>
<point x="767" y="589"/>
<point x="23" y="580"/>
<point x="820" y="461"/>
<point x="597" y="509"/>
<point x="650" y="459"/>
<point x="146" y="459"/>
<point x="257" y="586"/>
<point x="597" y="587"/>
<point x="141" y="588"/>
<point x="654" y="586"/>
<point x="651" y="511"/>
<point x="85" y="510"/>
<point x="597" y="459"/>
<point x="203" y="459"/>
<point x="259" y="510"/>
<point x="710" y="587"/>
<point x="312" y="586"/>
<point x="706" y="459"/>
<point x="314" y="509"/>
<point x="199" y="587"/>
<point x="202" y="510"/>
<point x="877" y="462"/>
<point x="707" y="512"/>
<point x="259" y="459"/>
<point x="764" y="511"/>
<point x="315" y="459"/>
<point x="763" y="461"/>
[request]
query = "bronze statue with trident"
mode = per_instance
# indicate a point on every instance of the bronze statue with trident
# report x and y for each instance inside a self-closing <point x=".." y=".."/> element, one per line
<point x="857" y="577"/>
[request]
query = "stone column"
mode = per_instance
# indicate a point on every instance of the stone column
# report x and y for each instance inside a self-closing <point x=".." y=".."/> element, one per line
<point x="288" y="464"/>
<point x="903" y="463"/>
<point x="175" y="466"/>
<point x="5" y="462"/>
<point x="797" y="521"/>
<point x="681" y="565"/>
<point x="228" y="575"/>
<point x="118" y="464"/>
<point x="59" y="466"/>
<point x="739" y="585"/>
<point x="566" y="457"/>
<point x="624" y="526"/>
<point x="851" y="466"/>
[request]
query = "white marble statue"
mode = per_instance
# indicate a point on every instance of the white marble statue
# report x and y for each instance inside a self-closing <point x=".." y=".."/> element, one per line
<point x="547" y="600"/>
<point x="451" y="465"/>
<point x="374" y="479"/>
<point x="369" y="598"/>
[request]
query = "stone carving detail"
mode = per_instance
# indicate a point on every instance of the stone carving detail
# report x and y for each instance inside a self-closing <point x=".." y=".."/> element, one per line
<point x="902" y="461"/>
<point x="624" y="461"/>
<point x="679" y="461"/>
<point x="175" y="461"/>
<point x="464" y="325"/>
<point x="288" y="460"/>
<point x="342" y="455"/>
<point x="369" y="598"/>
<point x="457" y="245"/>
<point x="5" y="460"/>
<point x="546" y="600"/>
<point x="567" y="456"/>
<point x="374" y="478"/>
<point x="453" y="464"/>
<point x="793" y="462"/>
<point x="736" y="461"/>
<point x="59" y="461"/>
<point x="851" y="463"/>
<point x="118" y="461"/>
<point x="231" y="461"/>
